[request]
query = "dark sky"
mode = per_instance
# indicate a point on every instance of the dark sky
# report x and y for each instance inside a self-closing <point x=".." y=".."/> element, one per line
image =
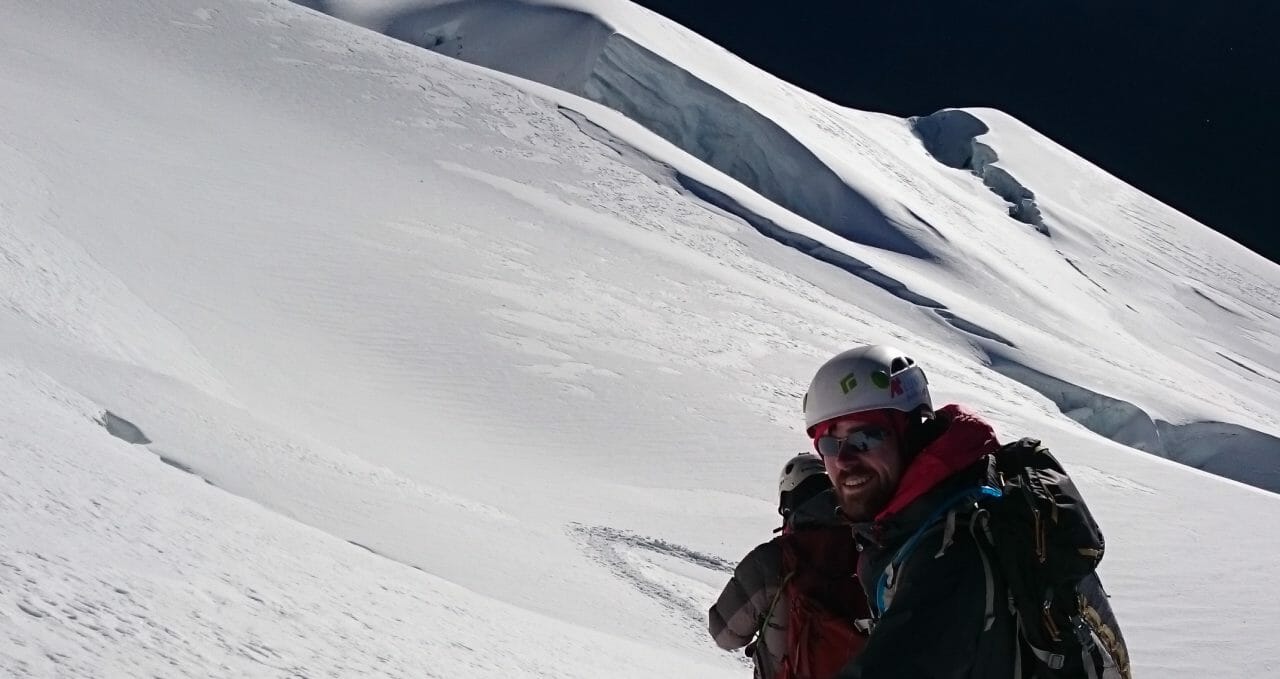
<point x="1177" y="98"/>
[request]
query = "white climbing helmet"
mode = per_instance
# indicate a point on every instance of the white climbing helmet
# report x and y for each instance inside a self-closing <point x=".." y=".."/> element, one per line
<point x="873" y="377"/>
<point x="799" y="469"/>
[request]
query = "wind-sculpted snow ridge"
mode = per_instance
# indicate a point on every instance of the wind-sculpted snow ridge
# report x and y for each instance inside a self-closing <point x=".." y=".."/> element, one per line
<point x="809" y="246"/>
<point x="512" y="37"/>
<point x="1224" y="449"/>
<point x="951" y="136"/>
<point x="1229" y="450"/>
<point x="592" y="60"/>
<point x="837" y="258"/>
<point x="123" y="429"/>
<point x="731" y="137"/>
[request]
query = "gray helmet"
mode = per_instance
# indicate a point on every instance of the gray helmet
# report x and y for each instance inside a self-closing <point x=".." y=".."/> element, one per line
<point x="797" y="470"/>
<point x="867" y="378"/>
<point x="803" y="477"/>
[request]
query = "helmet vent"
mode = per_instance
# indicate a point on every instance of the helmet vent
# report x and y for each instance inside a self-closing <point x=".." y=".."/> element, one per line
<point x="899" y="364"/>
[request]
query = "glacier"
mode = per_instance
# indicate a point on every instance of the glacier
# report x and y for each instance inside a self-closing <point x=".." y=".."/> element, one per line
<point x="456" y="369"/>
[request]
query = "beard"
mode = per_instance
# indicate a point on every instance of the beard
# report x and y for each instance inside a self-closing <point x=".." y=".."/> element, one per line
<point x="864" y="502"/>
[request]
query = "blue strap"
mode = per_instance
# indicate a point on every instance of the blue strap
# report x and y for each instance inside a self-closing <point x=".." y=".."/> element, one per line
<point x="909" y="546"/>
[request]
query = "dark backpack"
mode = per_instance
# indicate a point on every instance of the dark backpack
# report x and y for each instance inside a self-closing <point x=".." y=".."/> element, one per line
<point x="1032" y="522"/>
<point x="827" y="616"/>
<point x="1048" y="546"/>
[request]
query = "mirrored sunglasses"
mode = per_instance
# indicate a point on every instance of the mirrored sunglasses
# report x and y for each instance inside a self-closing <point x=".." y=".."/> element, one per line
<point x="855" y="443"/>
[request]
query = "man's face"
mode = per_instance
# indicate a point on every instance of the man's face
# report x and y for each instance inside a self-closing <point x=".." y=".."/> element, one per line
<point x="865" y="481"/>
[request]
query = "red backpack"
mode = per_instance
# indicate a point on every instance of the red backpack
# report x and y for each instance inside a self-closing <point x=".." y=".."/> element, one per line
<point x="828" y="616"/>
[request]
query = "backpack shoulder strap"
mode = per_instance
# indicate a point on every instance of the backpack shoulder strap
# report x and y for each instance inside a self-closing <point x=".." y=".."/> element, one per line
<point x="889" y="576"/>
<point x="773" y="605"/>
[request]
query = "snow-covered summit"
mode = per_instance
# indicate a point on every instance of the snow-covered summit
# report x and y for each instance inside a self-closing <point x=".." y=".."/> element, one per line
<point x="324" y="354"/>
<point x="860" y="177"/>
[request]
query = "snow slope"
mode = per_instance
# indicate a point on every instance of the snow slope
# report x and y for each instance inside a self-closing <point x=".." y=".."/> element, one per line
<point x="430" y="370"/>
<point x="862" y="177"/>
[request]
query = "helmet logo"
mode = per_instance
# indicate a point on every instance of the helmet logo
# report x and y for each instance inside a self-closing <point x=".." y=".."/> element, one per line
<point x="895" y="387"/>
<point x="849" y="383"/>
<point x="880" y="378"/>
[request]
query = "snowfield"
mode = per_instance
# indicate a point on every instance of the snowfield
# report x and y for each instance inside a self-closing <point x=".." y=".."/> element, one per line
<point x="325" y="354"/>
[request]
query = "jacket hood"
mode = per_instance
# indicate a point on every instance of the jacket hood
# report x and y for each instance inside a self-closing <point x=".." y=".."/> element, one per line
<point x="963" y="440"/>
